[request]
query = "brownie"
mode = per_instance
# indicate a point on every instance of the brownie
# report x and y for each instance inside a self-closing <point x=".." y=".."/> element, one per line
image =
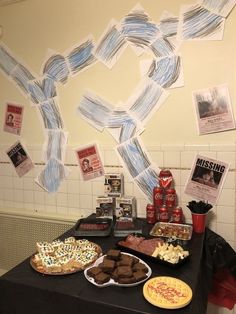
<point x="114" y="254"/>
<point x="93" y="271"/>
<point x="107" y="265"/>
<point x="105" y="258"/>
<point x="126" y="260"/>
<point x="114" y="275"/>
<point x="101" y="278"/>
<point x="135" y="259"/>
<point x="139" y="275"/>
<point x="140" y="266"/>
<point x="126" y="280"/>
<point x="124" y="271"/>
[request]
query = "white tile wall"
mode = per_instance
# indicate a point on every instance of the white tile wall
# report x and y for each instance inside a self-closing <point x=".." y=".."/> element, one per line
<point x="76" y="198"/>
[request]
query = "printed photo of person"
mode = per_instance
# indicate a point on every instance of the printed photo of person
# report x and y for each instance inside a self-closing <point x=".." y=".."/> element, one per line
<point x="18" y="157"/>
<point x="86" y="165"/>
<point x="10" y="120"/>
<point x="206" y="176"/>
<point x="208" y="109"/>
<point x="213" y="101"/>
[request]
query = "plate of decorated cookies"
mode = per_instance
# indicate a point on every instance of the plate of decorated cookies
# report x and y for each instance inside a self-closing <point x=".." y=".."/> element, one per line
<point x="119" y="269"/>
<point x="64" y="257"/>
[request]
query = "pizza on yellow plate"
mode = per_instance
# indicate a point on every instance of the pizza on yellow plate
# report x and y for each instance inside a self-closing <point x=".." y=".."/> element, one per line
<point x="167" y="292"/>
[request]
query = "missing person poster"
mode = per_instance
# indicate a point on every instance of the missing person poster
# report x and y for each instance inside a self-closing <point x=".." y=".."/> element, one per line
<point x="206" y="179"/>
<point x="20" y="159"/>
<point x="90" y="162"/>
<point x="13" y="118"/>
<point x="214" y="110"/>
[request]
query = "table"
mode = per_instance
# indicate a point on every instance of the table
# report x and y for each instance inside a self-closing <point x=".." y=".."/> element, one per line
<point x="25" y="291"/>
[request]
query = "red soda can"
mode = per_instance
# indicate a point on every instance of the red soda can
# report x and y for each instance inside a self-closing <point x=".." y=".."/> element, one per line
<point x="165" y="178"/>
<point x="170" y="198"/>
<point x="151" y="214"/>
<point x="177" y="215"/>
<point x="163" y="215"/>
<point x="158" y="196"/>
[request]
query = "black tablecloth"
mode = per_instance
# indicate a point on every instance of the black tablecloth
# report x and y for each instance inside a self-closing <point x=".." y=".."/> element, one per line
<point x="25" y="291"/>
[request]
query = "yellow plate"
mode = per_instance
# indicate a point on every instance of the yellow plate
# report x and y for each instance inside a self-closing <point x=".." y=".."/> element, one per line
<point x="167" y="292"/>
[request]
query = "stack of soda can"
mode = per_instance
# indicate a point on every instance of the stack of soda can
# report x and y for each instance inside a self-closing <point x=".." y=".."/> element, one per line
<point x="164" y="207"/>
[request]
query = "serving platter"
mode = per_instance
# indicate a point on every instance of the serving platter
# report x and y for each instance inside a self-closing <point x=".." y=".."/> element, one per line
<point x="181" y="232"/>
<point x="66" y="258"/>
<point x="112" y="282"/>
<point x="147" y="256"/>
<point x="93" y="227"/>
<point x="44" y="272"/>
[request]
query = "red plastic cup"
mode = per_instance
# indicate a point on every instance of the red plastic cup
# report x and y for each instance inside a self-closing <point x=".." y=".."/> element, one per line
<point x="199" y="222"/>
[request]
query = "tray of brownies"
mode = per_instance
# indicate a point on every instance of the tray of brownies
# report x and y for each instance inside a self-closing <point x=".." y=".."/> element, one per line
<point x="119" y="269"/>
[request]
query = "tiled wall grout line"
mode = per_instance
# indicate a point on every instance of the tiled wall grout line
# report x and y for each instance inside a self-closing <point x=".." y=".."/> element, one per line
<point x="76" y="197"/>
<point x="112" y="166"/>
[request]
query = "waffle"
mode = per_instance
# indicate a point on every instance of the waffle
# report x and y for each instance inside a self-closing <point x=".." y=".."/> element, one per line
<point x="167" y="292"/>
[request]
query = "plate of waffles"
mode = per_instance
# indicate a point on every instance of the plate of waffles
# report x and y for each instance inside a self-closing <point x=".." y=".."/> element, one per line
<point x="167" y="292"/>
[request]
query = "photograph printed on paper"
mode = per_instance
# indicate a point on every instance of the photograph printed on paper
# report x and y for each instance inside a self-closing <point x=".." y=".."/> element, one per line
<point x="13" y="118"/>
<point x="206" y="178"/>
<point x="20" y="159"/>
<point x="90" y="162"/>
<point x="214" y="110"/>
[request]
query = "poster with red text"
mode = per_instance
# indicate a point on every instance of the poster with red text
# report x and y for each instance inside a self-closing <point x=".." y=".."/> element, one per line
<point x="90" y="162"/>
<point x="13" y="118"/>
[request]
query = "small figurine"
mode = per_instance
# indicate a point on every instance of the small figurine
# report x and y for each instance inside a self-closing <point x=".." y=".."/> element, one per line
<point x="115" y="185"/>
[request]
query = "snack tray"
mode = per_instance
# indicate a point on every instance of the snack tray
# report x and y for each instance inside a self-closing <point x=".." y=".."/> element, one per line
<point x="172" y="230"/>
<point x="94" y="227"/>
<point x="71" y="271"/>
<point x="134" y="226"/>
<point x="150" y="257"/>
<point x="111" y="282"/>
<point x="33" y="265"/>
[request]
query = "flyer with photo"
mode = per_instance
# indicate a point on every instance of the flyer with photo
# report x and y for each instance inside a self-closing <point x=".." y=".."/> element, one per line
<point x="206" y="179"/>
<point x="90" y="162"/>
<point x="13" y="118"/>
<point x="213" y="109"/>
<point x="20" y="159"/>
